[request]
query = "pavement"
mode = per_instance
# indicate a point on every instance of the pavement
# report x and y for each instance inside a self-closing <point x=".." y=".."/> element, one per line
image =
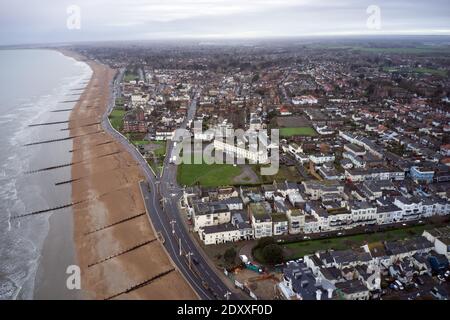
<point x="161" y="196"/>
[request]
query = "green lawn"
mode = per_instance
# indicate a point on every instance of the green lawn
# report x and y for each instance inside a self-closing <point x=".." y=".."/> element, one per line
<point x="130" y="77"/>
<point x="207" y="175"/>
<point x="161" y="151"/>
<point x="116" y="118"/>
<point x="299" y="131"/>
<point x="140" y="142"/>
<point x="299" y="249"/>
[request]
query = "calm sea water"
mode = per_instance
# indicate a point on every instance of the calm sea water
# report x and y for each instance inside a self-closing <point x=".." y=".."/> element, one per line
<point x="33" y="83"/>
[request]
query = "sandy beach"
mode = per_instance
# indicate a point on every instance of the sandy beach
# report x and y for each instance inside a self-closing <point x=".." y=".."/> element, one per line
<point x="115" y="245"/>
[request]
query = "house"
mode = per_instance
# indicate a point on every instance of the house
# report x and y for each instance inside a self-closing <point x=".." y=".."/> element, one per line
<point x="411" y="207"/>
<point x="422" y="174"/>
<point x="296" y="219"/>
<point x="260" y="216"/>
<point x="316" y="189"/>
<point x="280" y="224"/>
<point x="445" y="150"/>
<point x="321" y="158"/>
<point x="299" y="283"/>
<point x="205" y="214"/>
<point x="237" y="230"/>
<point x="440" y="237"/>
<point x="352" y="290"/>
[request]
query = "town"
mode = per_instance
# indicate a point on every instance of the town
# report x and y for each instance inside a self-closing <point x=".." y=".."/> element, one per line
<point x="359" y="206"/>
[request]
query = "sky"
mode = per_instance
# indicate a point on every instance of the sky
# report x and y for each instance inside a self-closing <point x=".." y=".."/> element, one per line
<point x="56" y="21"/>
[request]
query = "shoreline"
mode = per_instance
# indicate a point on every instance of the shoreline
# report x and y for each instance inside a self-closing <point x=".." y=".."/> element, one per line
<point x="106" y="185"/>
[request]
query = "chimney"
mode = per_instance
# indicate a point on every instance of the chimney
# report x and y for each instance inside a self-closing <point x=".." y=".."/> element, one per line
<point x="330" y="293"/>
<point x="318" y="294"/>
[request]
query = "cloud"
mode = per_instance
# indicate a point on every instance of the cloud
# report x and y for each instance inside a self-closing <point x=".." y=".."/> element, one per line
<point x="45" y="20"/>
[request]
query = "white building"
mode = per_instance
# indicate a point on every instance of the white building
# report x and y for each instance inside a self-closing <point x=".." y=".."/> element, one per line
<point x="261" y="219"/>
<point x="205" y="214"/>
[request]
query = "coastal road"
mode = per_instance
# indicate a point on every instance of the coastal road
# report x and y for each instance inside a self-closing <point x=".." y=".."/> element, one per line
<point x="161" y="196"/>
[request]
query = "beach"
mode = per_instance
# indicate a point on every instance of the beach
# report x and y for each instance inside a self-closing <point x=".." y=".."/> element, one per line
<point x="116" y="247"/>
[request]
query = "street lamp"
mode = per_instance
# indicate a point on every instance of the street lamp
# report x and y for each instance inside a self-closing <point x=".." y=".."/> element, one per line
<point x="172" y="223"/>
<point x="189" y="256"/>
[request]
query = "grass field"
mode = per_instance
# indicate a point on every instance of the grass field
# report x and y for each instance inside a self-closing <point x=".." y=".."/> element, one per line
<point x="299" y="131"/>
<point x="284" y="173"/>
<point x="140" y="142"/>
<point x="130" y="77"/>
<point x="161" y="150"/>
<point x="299" y="249"/>
<point x="437" y="72"/>
<point x="116" y="118"/>
<point x="207" y="175"/>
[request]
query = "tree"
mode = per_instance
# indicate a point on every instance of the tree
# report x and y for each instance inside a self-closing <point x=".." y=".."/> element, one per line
<point x="272" y="253"/>
<point x="265" y="241"/>
<point x="229" y="255"/>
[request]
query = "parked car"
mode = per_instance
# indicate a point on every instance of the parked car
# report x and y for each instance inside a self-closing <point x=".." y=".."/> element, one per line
<point x="399" y="284"/>
<point x="393" y="286"/>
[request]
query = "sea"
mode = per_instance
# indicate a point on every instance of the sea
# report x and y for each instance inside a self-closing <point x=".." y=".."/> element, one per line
<point x="37" y="88"/>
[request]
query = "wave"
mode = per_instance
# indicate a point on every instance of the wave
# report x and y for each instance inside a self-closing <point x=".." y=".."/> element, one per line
<point x="21" y="241"/>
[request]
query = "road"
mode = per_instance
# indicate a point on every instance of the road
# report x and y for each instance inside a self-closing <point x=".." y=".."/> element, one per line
<point x="161" y="196"/>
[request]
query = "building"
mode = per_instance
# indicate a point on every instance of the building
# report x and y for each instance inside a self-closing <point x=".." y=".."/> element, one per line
<point x="205" y="214"/>
<point x="317" y="189"/>
<point x="261" y="219"/>
<point x="422" y="174"/>
<point x="352" y="290"/>
<point x="296" y="219"/>
<point x="280" y="224"/>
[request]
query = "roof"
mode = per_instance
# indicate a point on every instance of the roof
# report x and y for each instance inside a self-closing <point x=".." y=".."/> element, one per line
<point x="349" y="256"/>
<point x="226" y="227"/>
<point x="351" y="287"/>
<point x="259" y="211"/>
<point x="279" y="217"/>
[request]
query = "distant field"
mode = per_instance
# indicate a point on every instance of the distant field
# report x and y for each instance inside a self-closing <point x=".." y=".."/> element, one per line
<point x="409" y="50"/>
<point x="207" y="175"/>
<point x="116" y="118"/>
<point x="299" y="131"/>
<point x="442" y="73"/>
<point x="299" y="249"/>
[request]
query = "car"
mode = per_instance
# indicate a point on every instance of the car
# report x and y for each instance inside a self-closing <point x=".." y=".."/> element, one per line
<point x="393" y="286"/>
<point x="399" y="284"/>
<point x="420" y="281"/>
<point x="195" y="261"/>
<point x="339" y="233"/>
<point x="404" y="224"/>
<point x="306" y="238"/>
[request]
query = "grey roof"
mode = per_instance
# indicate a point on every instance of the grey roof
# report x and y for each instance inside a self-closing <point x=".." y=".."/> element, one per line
<point x="349" y="256"/>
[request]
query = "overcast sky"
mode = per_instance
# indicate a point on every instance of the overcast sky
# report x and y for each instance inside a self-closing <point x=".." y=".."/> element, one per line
<point x="44" y="21"/>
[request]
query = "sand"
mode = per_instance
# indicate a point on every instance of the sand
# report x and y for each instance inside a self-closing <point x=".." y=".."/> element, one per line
<point x="110" y="221"/>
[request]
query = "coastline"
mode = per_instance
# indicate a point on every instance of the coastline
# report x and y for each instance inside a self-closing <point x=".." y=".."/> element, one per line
<point x="105" y="188"/>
